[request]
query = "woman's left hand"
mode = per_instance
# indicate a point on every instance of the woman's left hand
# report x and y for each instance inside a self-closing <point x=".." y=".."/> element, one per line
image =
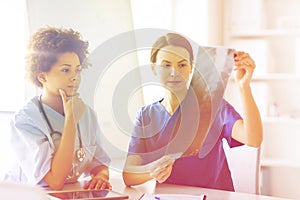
<point x="244" y="68"/>
<point x="100" y="181"/>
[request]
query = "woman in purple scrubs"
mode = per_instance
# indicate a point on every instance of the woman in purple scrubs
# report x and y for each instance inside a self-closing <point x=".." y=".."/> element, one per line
<point x="185" y="121"/>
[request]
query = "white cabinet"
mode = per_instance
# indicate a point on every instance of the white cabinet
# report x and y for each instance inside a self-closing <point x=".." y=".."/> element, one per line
<point x="270" y="31"/>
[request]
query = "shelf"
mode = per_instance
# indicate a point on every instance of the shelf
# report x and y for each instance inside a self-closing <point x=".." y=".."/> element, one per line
<point x="281" y="120"/>
<point x="275" y="77"/>
<point x="264" y="34"/>
<point x="279" y="163"/>
<point x="272" y="37"/>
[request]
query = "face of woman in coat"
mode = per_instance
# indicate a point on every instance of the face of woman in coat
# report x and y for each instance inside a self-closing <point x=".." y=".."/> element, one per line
<point x="64" y="74"/>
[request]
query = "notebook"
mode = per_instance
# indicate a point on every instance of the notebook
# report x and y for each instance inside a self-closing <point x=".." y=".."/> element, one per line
<point x="172" y="197"/>
<point x="86" y="194"/>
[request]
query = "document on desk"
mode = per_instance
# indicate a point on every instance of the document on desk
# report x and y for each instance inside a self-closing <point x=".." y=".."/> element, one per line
<point x="173" y="196"/>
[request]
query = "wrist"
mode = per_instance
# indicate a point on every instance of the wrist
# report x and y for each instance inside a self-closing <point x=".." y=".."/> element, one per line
<point x="70" y="125"/>
<point x="244" y="88"/>
<point x="101" y="175"/>
<point x="101" y="171"/>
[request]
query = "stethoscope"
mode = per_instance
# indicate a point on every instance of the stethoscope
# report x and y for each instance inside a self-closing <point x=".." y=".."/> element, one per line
<point x="56" y="135"/>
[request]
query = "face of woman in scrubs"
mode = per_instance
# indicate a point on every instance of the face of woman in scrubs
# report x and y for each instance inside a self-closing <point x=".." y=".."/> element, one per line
<point x="173" y="68"/>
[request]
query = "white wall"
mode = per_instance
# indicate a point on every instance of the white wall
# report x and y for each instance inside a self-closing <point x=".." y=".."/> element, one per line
<point x="4" y="142"/>
<point x="98" y="21"/>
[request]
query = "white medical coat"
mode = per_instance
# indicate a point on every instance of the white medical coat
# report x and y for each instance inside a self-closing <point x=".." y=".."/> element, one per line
<point x="34" y="148"/>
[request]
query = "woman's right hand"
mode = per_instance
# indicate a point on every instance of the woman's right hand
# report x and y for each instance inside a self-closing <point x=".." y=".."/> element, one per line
<point x="73" y="106"/>
<point x="161" y="171"/>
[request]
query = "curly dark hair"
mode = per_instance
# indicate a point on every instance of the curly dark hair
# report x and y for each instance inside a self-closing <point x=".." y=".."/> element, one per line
<point x="46" y="44"/>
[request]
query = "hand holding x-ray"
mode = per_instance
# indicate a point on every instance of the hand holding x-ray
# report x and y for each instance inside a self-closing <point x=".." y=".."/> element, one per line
<point x="154" y="167"/>
<point x="162" y="168"/>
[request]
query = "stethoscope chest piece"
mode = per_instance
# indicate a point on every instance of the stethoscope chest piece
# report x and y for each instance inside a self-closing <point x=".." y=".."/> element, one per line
<point x="80" y="154"/>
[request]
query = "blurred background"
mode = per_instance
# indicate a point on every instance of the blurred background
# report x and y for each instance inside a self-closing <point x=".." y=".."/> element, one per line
<point x="268" y="29"/>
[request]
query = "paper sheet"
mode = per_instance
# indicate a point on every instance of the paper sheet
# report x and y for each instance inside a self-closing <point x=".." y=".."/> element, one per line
<point x="157" y="164"/>
<point x="172" y="197"/>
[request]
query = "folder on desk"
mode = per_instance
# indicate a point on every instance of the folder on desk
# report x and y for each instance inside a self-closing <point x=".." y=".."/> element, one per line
<point x="172" y="197"/>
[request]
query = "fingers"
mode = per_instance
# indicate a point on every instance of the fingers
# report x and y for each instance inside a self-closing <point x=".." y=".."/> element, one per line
<point x="73" y="105"/>
<point x="243" y="68"/>
<point x="101" y="185"/>
<point x="63" y="95"/>
<point x="161" y="174"/>
<point x="162" y="177"/>
<point x="243" y="60"/>
<point x="97" y="185"/>
<point x="164" y="162"/>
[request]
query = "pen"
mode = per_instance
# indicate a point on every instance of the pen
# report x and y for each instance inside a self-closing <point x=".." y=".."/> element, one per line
<point x="141" y="196"/>
<point x="156" y="197"/>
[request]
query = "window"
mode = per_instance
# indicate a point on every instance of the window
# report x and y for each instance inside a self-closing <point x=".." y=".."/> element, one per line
<point x="13" y="42"/>
<point x="12" y="83"/>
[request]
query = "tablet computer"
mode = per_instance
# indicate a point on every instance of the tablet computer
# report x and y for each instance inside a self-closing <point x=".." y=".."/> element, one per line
<point x="86" y="194"/>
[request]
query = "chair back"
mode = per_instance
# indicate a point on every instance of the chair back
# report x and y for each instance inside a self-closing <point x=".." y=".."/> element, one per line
<point x="244" y="163"/>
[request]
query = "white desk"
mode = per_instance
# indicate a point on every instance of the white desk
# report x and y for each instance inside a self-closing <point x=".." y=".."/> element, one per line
<point x="210" y="193"/>
<point x="136" y="192"/>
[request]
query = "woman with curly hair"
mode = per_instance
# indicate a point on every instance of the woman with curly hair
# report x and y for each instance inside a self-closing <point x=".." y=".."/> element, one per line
<point x="55" y="135"/>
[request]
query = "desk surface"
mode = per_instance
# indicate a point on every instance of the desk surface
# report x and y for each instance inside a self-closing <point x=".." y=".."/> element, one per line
<point x="136" y="192"/>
